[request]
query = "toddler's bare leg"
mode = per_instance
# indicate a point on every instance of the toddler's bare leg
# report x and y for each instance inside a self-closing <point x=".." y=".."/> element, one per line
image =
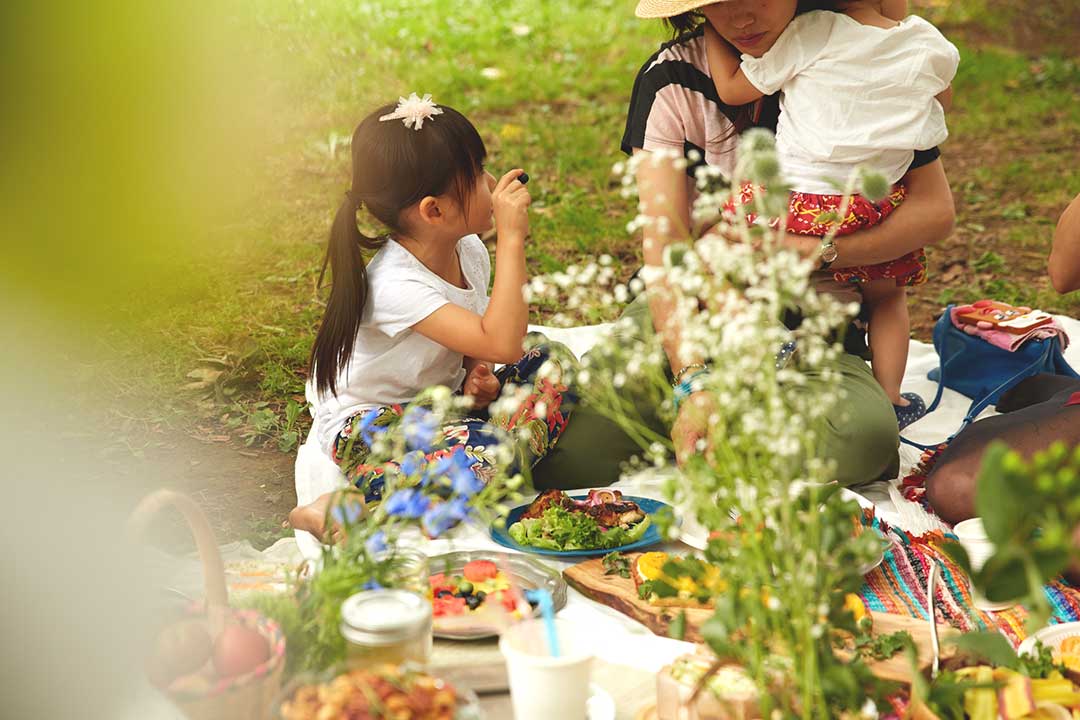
<point x="890" y="333"/>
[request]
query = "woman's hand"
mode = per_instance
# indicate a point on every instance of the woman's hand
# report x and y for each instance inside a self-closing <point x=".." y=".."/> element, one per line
<point x="510" y="201"/>
<point x="481" y="385"/>
<point x="925" y="218"/>
<point x="808" y="246"/>
<point x="692" y="424"/>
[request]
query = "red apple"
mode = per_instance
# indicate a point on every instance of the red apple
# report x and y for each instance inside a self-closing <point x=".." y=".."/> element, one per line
<point x="238" y="650"/>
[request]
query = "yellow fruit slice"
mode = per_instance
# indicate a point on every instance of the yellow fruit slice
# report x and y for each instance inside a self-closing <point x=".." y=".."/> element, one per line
<point x="854" y="604"/>
<point x="650" y="565"/>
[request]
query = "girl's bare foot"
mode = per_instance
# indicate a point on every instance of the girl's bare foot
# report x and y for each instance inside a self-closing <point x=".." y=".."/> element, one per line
<point x="313" y="518"/>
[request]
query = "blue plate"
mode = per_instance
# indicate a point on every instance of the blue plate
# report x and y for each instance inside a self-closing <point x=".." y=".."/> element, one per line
<point x="651" y="536"/>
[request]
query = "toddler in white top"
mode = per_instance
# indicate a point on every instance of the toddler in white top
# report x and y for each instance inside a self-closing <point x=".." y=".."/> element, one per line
<point x="863" y="87"/>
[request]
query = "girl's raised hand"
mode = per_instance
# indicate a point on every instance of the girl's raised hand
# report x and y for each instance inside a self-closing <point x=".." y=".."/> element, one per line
<point x="510" y="201"/>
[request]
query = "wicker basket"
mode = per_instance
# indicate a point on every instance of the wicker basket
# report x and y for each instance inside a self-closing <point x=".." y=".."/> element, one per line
<point x="234" y="698"/>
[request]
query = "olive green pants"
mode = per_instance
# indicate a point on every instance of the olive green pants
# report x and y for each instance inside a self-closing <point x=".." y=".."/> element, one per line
<point x="863" y="442"/>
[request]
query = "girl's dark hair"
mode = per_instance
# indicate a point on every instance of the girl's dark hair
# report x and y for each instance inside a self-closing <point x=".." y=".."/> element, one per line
<point x="742" y="117"/>
<point x="393" y="168"/>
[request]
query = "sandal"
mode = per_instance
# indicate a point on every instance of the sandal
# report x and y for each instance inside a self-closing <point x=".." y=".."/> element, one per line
<point x="907" y="414"/>
<point x="786" y="351"/>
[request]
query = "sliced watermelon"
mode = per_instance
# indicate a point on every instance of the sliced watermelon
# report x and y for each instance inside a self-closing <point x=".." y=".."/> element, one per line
<point x="480" y="570"/>
<point x="449" y="605"/>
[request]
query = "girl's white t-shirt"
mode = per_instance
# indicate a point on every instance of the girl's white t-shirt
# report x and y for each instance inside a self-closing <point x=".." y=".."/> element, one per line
<point x="854" y="94"/>
<point x="390" y="362"/>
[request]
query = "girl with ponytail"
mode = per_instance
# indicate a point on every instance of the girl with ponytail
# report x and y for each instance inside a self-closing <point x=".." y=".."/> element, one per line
<point x="418" y="314"/>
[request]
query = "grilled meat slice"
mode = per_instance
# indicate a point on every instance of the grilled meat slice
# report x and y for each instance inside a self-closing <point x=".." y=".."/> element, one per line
<point x="614" y="514"/>
<point x="546" y="499"/>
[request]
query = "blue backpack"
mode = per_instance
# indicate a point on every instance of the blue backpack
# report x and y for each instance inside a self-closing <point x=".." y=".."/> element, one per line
<point x="984" y="372"/>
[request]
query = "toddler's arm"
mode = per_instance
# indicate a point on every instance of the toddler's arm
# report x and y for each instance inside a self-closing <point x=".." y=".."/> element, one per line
<point x="727" y="75"/>
<point x="945" y="98"/>
<point x="892" y="9"/>
<point x="497" y="335"/>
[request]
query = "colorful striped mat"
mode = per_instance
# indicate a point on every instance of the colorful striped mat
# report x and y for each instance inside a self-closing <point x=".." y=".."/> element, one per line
<point x="898" y="586"/>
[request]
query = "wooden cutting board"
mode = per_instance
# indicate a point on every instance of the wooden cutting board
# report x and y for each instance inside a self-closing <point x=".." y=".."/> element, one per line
<point x="620" y="593"/>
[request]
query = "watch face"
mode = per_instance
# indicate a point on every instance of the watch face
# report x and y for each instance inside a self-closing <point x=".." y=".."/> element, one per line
<point x="828" y="253"/>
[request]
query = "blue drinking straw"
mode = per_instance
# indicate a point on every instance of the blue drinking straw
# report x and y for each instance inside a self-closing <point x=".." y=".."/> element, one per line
<point x="542" y="598"/>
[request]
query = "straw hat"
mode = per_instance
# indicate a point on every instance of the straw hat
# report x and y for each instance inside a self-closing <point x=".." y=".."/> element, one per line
<point x="668" y="8"/>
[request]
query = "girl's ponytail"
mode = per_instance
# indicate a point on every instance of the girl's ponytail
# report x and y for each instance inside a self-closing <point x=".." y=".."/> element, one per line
<point x="348" y="296"/>
<point x="393" y="168"/>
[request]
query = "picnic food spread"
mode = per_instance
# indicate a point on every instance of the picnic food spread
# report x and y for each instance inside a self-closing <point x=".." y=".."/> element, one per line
<point x="480" y="581"/>
<point x="386" y="691"/>
<point x="603" y="519"/>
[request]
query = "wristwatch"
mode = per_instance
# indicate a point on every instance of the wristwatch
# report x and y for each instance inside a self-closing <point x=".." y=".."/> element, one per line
<point x="828" y="253"/>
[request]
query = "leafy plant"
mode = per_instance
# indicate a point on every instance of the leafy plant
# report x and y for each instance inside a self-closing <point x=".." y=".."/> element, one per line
<point x="616" y="564"/>
<point x="883" y="647"/>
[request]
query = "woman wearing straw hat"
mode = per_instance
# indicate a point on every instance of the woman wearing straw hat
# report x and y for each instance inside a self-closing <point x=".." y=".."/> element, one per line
<point x="674" y="105"/>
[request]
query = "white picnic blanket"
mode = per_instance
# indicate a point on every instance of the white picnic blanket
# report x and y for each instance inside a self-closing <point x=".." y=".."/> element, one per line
<point x="316" y="474"/>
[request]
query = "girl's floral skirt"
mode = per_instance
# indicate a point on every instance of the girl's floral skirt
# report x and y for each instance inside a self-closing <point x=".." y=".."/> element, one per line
<point x="535" y="425"/>
<point x="817" y="215"/>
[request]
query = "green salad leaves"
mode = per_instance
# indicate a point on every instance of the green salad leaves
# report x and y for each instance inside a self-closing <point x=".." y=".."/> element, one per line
<point x="560" y="529"/>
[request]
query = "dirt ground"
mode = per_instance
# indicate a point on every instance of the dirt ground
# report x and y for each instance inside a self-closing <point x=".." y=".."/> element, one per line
<point x="246" y="492"/>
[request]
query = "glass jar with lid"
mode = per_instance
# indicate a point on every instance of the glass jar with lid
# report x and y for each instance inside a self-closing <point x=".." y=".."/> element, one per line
<point x="386" y="626"/>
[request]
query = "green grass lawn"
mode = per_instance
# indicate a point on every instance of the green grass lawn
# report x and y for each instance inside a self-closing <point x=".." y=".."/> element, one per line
<point x="546" y="82"/>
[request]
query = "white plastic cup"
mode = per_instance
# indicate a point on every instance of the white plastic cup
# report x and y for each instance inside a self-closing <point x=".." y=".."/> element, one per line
<point x="972" y="535"/>
<point x="543" y="687"/>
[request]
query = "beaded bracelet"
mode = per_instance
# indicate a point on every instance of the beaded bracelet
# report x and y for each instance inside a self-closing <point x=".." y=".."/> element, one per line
<point x="685" y="368"/>
<point x="688" y="386"/>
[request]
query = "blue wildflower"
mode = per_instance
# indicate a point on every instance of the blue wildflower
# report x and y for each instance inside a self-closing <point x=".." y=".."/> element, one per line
<point x="413" y="463"/>
<point x="455" y="471"/>
<point x="368" y="428"/>
<point x="376" y="543"/>
<point x="347" y="512"/>
<point x="463" y="478"/>
<point x="443" y="516"/>
<point x="419" y="426"/>
<point x="372" y="585"/>
<point x="407" y="503"/>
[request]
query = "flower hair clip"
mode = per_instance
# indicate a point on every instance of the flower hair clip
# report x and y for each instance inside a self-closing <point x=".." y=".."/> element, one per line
<point x="413" y="111"/>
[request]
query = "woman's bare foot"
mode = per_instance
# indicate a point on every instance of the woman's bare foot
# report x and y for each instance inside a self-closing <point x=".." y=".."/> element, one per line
<point x="313" y="518"/>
